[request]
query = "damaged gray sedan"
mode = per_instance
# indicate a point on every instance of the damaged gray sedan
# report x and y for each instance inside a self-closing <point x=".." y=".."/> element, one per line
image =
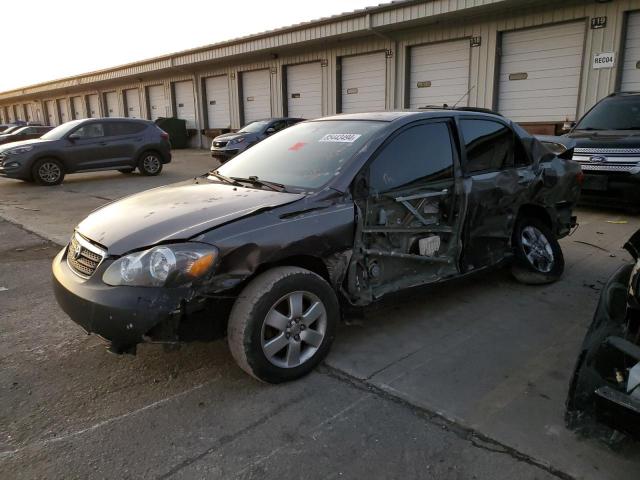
<point x="332" y="213"/>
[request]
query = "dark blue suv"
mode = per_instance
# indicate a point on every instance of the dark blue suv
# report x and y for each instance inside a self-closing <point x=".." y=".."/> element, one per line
<point x="89" y="145"/>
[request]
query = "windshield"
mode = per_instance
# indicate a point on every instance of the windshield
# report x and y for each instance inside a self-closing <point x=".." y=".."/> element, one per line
<point x="19" y="130"/>
<point x="11" y="130"/>
<point x="61" y="130"/>
<point x="614" y="113"/>
<point x="254" y="127"/>
<point x="305" y="156"/>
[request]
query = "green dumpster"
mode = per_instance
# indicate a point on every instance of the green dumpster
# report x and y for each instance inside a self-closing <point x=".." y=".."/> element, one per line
<point x="177" y="130"/>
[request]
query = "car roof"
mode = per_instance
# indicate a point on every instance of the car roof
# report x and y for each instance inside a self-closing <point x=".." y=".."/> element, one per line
<point x="625" y="94"/>
<point x="391" y="116"/>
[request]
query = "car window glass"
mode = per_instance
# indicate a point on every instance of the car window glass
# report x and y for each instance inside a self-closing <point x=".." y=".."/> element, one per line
<point x="307" y="155"/>
<point x="419" y="154"/>
<point x="613" y="113"/>
<point x="277" y="126"/>
<point x="124" y="128"/>
<point x="489" y="145"/>
<point x="91" y="130"/>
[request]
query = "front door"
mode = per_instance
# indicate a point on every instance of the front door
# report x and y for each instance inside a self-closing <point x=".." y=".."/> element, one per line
<point x="408" y="213"/>
<point x="495" y="186"/>
<point x="88" y="148"/>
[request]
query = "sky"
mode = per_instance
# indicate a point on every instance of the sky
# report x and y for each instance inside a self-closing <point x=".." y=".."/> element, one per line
<point x="49" y="39"/>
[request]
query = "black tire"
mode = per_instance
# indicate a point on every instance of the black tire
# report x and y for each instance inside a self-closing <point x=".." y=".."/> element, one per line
<point x="48" y="172"/>
<point x="126" y="170"/>
<point x="250" y="334"/>
<point x="538" y="256"/>
<point x="150" y="164"/>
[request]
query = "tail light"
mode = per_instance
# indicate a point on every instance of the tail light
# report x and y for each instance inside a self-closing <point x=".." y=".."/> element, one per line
<point x="580" y="177"/>
<point x="164" y="135"/>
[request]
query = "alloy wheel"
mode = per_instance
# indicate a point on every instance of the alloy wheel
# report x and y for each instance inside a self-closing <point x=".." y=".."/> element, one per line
<point x="537" y="249"/>
<point x="151" y="163"/>
<point x="294" y="329"/>
<point x="49" y="172"/>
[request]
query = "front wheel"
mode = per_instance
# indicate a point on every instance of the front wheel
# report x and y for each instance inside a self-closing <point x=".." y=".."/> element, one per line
<point x="150" y="164"/>
<point x="48" y="172"/>
<point x="282" y="324"/>
<point x="539" y="258"/>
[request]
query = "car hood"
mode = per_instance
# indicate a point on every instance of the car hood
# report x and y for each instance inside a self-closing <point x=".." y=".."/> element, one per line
<point x="606" y="138"/>
<point x="175" y="212"/>
<point x="231" y="136"/>
<point x="33" y="141"/>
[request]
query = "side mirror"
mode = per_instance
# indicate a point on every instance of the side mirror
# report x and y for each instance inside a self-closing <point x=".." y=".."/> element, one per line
<point x="270" y="131"/>
<point x="566" y="126"/>
<point x="73" y="137"/>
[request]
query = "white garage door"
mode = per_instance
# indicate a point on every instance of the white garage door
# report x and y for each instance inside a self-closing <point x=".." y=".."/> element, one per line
<point x="64" y="111"/>
<point x="29" y="111"/>
<point x="111" y="104"/>
<point x="363" y="83"/>
<point x="439" y="74"/>
<point x="217" y="95"/>
<point x="631" y="66"/>
<point x="157" y="102"/>
<point x="540" y="73"/>
<point x="52" y="119"/>
<point x="94" y="105"/>
<point x="76" y="104"/>
<point x="185" y="102"/>
<point x="256" y="95"/>
<point x="304" y="90"/>
<point x="132" y="100"/>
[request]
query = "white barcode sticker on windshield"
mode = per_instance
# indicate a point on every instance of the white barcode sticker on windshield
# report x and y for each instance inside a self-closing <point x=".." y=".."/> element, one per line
<point x="340" y="137"/>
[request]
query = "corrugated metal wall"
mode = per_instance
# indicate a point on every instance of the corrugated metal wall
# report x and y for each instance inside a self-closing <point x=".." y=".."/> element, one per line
<point x="464" y="20"/>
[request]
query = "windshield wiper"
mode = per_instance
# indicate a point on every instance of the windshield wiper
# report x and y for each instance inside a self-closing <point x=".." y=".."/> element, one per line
<point x="278" y="187"/>
<point x="225" y="179"/>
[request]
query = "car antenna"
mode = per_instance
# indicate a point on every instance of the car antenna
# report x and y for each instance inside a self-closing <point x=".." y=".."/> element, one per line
<point x="465" y="94"/>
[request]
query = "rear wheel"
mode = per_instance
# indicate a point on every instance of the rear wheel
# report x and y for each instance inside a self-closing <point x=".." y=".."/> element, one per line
<point x="48" y="171"/>
<point x="150" y="164"/>
<point x="282" y="324"/>
<point x="538" y="254"/>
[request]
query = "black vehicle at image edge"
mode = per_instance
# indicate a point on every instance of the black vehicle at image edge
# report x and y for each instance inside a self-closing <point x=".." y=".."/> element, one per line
<point x="326" y="214"/>
<point x="88" y="145"/>
<point x="607" y="146"/>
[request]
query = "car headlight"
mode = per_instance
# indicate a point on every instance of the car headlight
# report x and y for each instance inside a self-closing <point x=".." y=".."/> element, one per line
<point x="556" y="148"/>
<point x="236" y="140"/>
<point x="173" y="265"/>
<point x="18" y="150"/>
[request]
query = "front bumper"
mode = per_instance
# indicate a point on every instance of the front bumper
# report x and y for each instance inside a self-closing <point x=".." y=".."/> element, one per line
<point x="11" y="166"/>
<point x="611" y="184"/>
<point x="224" y="154"/>
<point x="124" y="316"/>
